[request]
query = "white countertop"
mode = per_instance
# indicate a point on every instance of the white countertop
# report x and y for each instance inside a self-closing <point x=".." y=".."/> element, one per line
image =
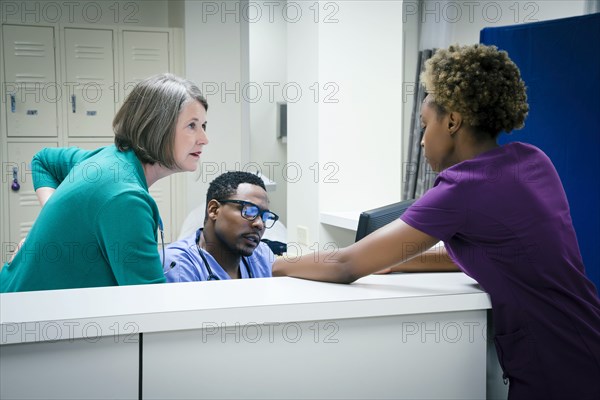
<point x="342" y="219"/>
<point x="68" y="314"/>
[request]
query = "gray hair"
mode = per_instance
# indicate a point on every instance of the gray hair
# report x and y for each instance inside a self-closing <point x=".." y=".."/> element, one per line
<point x="146" y="121"/>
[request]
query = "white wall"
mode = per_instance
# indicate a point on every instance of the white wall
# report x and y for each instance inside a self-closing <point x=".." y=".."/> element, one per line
<point x="361" y="57"/>
<point x="362" y="133"/>
<point x="303" y="125"/>
<point x="347" y="136"/>
<point x="213" y="48"/>
<point x="344" y="92"/>
<point x="268" y="76"/>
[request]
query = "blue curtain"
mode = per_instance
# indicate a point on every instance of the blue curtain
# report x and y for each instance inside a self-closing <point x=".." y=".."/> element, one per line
<point x="560" y="64"/>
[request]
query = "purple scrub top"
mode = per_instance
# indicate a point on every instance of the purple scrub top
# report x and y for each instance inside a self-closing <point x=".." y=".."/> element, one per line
<point x="504" y="219"/>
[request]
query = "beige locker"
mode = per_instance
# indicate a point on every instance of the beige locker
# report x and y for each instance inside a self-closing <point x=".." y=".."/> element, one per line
<point x="31" y="93"/>
<point x="89" y="64"/>
<point x="23" y="205"/>
<point x="146" y="54"/>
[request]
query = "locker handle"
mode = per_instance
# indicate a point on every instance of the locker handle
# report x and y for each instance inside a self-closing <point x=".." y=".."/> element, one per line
<point x="73" y="103"/>
<point x="15" y="183"/>
<point x="13" y="103"/>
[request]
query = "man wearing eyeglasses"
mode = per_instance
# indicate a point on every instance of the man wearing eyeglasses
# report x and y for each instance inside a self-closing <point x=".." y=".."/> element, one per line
<point x="229" y="245"/>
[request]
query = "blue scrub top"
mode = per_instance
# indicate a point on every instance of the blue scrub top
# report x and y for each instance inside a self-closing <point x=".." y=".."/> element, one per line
<point x="189" y="266"/>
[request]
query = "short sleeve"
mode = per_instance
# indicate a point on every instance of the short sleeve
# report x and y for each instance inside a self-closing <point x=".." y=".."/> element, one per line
<point x="440" y="212"/>
<point x="51" y="166"/>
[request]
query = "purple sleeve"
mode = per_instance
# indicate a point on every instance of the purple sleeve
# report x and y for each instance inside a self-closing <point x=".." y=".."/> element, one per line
<point x="440" y="212"/>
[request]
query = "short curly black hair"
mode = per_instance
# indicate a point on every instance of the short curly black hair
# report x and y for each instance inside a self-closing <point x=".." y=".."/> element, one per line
<point x="480" y="82"/>
<point x="225" y="185"/>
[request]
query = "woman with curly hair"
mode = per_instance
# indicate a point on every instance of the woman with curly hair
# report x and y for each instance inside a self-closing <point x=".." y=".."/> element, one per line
<point x="503" y="216"/>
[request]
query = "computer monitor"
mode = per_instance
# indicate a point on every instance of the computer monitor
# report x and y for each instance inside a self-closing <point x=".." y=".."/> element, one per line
<point x="374" y="219"/>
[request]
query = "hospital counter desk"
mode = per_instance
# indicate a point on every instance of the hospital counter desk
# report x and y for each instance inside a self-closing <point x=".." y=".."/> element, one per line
<point x="399" y="336"/>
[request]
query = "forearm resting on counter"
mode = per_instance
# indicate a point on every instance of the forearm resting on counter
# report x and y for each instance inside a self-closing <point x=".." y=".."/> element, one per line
<point x="435" y="259"/>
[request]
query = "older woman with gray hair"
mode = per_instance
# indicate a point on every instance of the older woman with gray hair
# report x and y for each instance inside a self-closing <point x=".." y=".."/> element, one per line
<point x="98" y="224"/>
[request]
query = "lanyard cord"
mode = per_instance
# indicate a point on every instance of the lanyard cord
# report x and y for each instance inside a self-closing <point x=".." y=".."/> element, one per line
<point x="162" y="240"/>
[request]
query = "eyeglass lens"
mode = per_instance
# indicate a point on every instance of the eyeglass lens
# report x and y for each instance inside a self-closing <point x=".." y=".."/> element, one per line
<point x="250" y="211"/>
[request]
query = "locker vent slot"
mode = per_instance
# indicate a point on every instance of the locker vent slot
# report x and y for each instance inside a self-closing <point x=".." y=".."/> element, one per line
<point x="90" y="52"/>
<point x="28" y="198"/>
<point x="29" y="49"/>
<point x="30" y="78"/>
<point x="145" y="54"/>
<point x="24" y="228"/>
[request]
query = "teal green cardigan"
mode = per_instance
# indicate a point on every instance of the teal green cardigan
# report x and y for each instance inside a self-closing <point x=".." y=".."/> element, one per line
<point x="98" y="229"/>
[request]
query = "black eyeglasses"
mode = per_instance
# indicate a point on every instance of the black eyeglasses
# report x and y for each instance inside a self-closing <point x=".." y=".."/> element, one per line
<point x="250" y="211"/>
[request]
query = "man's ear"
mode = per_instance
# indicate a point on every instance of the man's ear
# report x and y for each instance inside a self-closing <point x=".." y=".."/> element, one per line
<point x="455" y="121"/>
<point x="213" y="209"/>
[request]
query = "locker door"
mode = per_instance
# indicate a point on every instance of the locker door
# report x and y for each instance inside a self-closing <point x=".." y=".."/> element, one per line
<point x="90" y="80"/>
<point x="31" y="92"/>
<point x="23" y="206"/>
<point x="146" y="54"/>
